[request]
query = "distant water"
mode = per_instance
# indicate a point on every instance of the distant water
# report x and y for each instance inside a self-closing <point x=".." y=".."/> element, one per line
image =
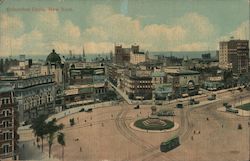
<point x="89" y="57"/>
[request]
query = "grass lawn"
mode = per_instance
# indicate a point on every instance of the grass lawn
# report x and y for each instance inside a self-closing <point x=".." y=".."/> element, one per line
<point x="140" y="124"/>
<point x="245" y="107"/>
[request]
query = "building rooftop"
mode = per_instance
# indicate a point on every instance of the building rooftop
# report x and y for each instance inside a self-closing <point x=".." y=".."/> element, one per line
<point x="180" y="71"/>
<point x="4" y="89"/>
<point x="142" y="53"/>
<point x="158" y="74"/>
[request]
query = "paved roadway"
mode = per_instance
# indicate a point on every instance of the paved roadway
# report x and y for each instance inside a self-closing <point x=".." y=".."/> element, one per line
<point x="187" y="124"/>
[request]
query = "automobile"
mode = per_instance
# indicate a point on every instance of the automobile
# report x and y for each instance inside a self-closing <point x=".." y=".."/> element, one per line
<point x="166" y="113"/>
<point x="193" y="102"/>
<point x="184" y="95"/>
<point x="179" y="105"/>
<point x="228" y="106"/>
<point x="89" y="110"/>
<point x="137" y="107"/>
<point x="158" y="103"/>
<point x="225" y="104"/>
<point x="211" y="97"/>
<point x="82" y="110"/>
<point x="232" y="110"/>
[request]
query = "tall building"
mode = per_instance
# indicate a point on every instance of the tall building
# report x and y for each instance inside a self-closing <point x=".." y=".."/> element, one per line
<point x="9" y="124"/>
<point x="122" y="55"/>
<point x="234" y="55"/>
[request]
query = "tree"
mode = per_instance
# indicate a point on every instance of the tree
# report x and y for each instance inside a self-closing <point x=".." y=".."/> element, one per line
<point x="52" y="128"/>
<point x="39" y="127"/>
<point x="61" y="141"/>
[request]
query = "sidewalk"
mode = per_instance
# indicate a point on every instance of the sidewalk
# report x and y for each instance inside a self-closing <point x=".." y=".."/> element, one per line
<point x="28" y="151"/>
<point x="125" y="97"/>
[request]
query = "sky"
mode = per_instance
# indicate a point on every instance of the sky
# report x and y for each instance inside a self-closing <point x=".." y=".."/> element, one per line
<point x="35" y="27"/>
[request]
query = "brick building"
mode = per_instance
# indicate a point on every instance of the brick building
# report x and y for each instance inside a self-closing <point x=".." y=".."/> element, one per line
<point x="8" y="123"/>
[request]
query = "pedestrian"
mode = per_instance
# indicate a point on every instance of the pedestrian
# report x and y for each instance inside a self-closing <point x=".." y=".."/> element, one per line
<point x="222" y="126"/>
<point x="80" y="149"/>
<point x="33" y="143"/>
<point x="192" y="138"/>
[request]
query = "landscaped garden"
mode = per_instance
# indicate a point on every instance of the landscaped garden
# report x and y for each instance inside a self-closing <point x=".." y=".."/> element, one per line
<point x="245" y="107"/>
<point x="154" y="124"/>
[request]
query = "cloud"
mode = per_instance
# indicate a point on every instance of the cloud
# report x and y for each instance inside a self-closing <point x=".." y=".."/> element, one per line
<point x="71" y="30"/>
<point x="10" y="25"/>
<point x="162" y="37"/>
<point x="198" y="27"/>
<point x="48" y="32"/>
<point x="96" y="34"/>
<point x="112" y="27"/>
<point x="242" y="31"/>
<point x="105" y="28"/>
<point x="101" y="47"/>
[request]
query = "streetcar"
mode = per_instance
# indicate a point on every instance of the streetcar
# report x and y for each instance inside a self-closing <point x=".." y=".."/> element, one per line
<point x="170" y="144"/>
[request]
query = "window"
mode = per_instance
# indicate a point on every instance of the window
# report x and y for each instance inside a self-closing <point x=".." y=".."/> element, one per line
<point x="4" y="112"/>
<point x="6" y="149"/>
<point x="6" y="136"/>
<point x="5" y="123"/>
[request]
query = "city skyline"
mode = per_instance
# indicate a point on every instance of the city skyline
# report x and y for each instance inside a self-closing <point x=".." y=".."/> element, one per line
<point x="34" y="28"/>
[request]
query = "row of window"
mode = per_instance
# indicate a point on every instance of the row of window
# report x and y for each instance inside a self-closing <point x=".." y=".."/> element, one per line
<point x="7" y="135"/>
<point x="40" y="101"/>
<point x="34" y="92"/>
<point x="6" y="112"/>
<point x="6" y="123"/>
<point x="32" y="82"/>
<point x="5" y="101"/>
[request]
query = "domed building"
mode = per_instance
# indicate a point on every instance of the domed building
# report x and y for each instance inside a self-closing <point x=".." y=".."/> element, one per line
<point x="54" y="65"/>
<point x="53" y="58"/>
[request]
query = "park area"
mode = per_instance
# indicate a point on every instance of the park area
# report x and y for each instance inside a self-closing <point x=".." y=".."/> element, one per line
<point x="105" y="134"/>
<point x="245" y="107"/>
